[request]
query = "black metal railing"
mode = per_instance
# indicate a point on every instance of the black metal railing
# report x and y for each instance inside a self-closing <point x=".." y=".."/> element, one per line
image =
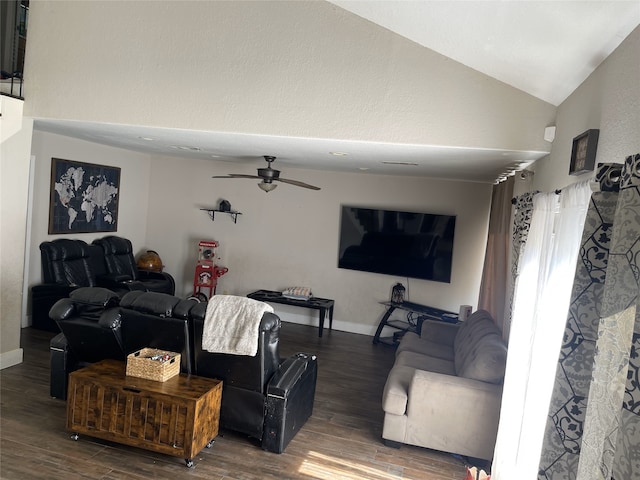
<point x="14" y="15"/>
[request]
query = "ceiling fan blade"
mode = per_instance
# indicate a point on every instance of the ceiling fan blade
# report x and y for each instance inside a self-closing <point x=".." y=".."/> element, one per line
<point x="297" y="183"/>
<point x="236" y="175"/>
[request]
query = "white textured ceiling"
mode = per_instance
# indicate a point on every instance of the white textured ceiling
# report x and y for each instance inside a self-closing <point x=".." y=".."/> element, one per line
<point x="545" y="48"/>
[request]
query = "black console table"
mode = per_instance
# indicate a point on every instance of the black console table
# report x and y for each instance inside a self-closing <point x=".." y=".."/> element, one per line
<point x="422" y="312"/>
<point x="324" y="305"/>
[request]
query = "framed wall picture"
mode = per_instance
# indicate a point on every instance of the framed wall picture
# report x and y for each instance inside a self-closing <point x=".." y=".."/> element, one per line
<point x="84" y="197"/>
<point x="583" y="152"/>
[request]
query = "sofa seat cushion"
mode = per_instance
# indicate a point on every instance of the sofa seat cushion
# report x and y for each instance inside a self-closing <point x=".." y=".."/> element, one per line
<point x="411" y="342"/>
<point x="425" y="362"/>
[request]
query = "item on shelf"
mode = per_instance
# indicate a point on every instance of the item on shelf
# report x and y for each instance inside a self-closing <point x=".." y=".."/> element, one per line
<point x="449" y="317"/>
<point x="297" y="293"/>
<point x="397" y="293"/>
<point x="225" y="206"/>
<point x="465" y="312"/>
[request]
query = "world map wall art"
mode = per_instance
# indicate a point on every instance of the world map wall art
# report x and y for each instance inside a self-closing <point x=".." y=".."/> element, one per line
<point x="84" y="197"/>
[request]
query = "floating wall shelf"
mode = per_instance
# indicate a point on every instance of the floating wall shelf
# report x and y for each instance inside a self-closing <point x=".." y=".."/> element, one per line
<point x="212" y="211"/>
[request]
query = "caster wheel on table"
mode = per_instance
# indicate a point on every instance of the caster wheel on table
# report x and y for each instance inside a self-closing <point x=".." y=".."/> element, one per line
<point x="188" y="462"/>
<point x="75" y="436"/>
<point x="210" y="444"/>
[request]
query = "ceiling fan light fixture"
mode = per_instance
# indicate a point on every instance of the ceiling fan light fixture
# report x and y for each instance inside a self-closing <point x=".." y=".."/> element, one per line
<point x="268" y="176"/>
<point x="267" y="187"/>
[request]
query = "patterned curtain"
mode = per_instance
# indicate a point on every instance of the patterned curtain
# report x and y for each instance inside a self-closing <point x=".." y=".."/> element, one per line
<point x="541" y="303"/>
<point x="563" y="433"/>
<point x="522" y="211"/>
<point x="611" y="440"/>
<point x="593" y="427"/>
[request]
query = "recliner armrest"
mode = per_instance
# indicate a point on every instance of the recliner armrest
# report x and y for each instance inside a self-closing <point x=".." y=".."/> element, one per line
<point x="287" y="376"/>
<point x="62" y="309"/>
<point x="114" y="279"/>
<point x="119" y="282"/>
<point x="289" y="402"/>
<point x="149" y="275"/>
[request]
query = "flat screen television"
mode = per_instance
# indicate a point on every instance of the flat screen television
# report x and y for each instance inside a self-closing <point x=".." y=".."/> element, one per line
<point x="407" y="244"/>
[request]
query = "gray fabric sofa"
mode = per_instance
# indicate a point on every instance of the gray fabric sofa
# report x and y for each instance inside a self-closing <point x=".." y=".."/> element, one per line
<point x="445" y="387"/>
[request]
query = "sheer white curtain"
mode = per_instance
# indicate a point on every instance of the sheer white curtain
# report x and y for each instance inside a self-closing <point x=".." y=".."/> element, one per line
<point x="541" y="303"/>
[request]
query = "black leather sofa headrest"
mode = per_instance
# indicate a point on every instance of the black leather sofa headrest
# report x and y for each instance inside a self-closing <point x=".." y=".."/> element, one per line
<point x="65" y="249"/>
<point x="97" y="296"/>
<point x="154" y="303"/>
<point x="88" y="302"/>
<point x="115" y="245"/>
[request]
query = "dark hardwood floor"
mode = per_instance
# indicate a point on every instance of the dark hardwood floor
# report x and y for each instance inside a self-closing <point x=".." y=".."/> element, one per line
<point x="342" y="440"/>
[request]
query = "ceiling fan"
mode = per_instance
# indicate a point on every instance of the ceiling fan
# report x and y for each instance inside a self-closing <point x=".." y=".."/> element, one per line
<point x="268" y="176"/>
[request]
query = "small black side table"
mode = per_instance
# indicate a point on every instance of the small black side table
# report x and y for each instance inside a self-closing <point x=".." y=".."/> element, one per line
<point x="423" y="312"/>
<point x="324" y="305"/>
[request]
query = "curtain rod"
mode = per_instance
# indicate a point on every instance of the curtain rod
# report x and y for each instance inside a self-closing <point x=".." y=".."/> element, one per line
<point x="515" y="199"/>
<point x="557" y="191"/>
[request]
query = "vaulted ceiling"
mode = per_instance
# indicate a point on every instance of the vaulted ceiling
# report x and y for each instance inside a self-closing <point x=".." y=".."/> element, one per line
<point x="544" y="48"/>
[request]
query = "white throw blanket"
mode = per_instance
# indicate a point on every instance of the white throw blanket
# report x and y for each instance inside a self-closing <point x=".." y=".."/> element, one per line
<point x="231" y="325"/>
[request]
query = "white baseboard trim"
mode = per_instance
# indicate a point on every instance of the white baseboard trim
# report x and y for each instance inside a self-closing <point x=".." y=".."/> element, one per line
<point x="9" y="359"/>
<point x="350" y="327"/>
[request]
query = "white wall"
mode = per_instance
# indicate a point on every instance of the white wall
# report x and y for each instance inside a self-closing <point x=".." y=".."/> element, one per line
<point x="14" y="177"/>
<point x="134" y="191"/>
<point x="608" y="100"/>
<point x="284" y="238"/>
<point x="289" y="236"/>
<point x="294" y="68"/>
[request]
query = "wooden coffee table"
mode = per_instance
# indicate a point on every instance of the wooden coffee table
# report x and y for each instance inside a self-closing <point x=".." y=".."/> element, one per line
<point x="178" y="417"/>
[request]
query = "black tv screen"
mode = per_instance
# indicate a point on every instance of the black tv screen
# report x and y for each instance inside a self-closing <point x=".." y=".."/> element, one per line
<point x="407" y="244"/>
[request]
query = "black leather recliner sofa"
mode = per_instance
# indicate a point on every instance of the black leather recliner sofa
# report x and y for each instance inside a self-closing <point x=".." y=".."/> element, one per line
<point x="265" y="397"/>
<point x="121" y="266"/>
<point x="96" y="324"/>
<point x="68" y="264"/>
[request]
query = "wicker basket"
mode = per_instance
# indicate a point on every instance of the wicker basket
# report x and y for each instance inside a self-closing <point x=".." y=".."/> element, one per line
<point x="141" y="364"/>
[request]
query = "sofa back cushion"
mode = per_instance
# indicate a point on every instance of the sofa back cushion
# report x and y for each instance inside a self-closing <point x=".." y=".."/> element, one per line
<point x="67" y="262"/>
<point x="240" y="371"/>
<point x="140" y="330"/>
<point x="118" y="256"/>
<point x="480" y="353"/>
